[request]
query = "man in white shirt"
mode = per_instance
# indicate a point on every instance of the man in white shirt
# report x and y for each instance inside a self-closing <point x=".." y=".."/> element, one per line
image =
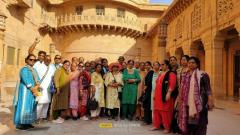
<point x="45" y="73"/>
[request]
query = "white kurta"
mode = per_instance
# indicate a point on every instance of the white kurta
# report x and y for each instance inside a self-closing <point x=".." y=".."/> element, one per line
<point x="41" y="70"/>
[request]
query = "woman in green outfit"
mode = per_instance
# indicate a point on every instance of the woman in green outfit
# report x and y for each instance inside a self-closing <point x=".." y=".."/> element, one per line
<point x="131" y="79"/>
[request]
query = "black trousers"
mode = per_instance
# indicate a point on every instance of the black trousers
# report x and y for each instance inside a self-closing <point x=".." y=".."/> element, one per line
<point x="148" y="115"/>
<point x="147" y="109"/>
<point x="114" y="112"/>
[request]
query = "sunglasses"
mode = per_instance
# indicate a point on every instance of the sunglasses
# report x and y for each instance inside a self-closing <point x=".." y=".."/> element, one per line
<point x="58" y="58"/>
<point x="32" y="60"/>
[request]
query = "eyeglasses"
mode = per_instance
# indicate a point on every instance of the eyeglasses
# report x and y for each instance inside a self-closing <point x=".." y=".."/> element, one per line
<point x="58" y="58"/>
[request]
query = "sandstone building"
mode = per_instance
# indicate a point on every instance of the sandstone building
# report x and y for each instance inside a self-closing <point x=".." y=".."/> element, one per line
<point x="86" y="28"/>
<point x="136" y="29"/>
<point x="208" y="29"/>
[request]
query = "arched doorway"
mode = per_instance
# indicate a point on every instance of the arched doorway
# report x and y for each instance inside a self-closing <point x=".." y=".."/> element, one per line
<point x="231" y="63"/>
<point x="197" y="50"/>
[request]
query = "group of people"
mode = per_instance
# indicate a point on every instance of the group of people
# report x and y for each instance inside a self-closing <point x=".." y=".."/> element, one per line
<point x="168" y="95"/>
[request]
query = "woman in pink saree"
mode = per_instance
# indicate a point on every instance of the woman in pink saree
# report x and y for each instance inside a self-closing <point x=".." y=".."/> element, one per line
<point x="195" y="100"/>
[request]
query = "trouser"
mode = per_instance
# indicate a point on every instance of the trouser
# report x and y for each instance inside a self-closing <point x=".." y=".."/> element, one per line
<point x="201" y="127"/>
<point x="114" y="112"/>
<point x="162" y="117"/>
<point x="82" y="110"/>
<point x="196" y="130"/>
<point x="42" y="111"/>
<point x="128" y="110"/>
<point x="148" y="115"/>
<point x="120" y="100"/>
<point x="139" y="111"/>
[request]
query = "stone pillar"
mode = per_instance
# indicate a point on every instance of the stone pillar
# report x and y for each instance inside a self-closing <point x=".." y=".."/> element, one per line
<point x="217" y="72"/>
<point x="2" y="29"/>
<point x="162" y="50"/>
<point x="162" y="31"/>
<point x="214" y="63"/>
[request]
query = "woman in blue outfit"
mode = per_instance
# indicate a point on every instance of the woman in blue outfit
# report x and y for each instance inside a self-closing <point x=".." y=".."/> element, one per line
<point x="25" y="104"/>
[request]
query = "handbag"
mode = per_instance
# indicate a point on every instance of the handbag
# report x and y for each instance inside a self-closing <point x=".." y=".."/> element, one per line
<point x="92" y="103"/>
<point x="142" y="98"/>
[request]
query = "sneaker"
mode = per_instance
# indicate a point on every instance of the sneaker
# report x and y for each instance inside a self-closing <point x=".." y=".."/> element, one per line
<point x="61" y="118"/>
<point x="84" y="118"/>
<point x="58" y="121"/>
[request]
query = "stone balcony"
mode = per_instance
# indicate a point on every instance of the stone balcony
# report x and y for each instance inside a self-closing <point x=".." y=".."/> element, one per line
<point x="74" y="23"/>
<point x="20" y="3"/>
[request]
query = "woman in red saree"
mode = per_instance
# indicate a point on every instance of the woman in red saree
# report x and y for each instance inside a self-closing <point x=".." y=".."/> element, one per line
<point x="163" y="101"/>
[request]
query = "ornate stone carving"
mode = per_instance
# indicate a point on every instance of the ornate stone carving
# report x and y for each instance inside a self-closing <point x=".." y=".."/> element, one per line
<point x="2" y="21"/>
<point x="224" y="7"/>
<point x="179" y="28"/>
<point x="196" y="17"/>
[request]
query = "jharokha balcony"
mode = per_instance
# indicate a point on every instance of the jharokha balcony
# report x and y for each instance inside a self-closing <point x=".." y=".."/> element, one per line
<point x="68" y="23"/>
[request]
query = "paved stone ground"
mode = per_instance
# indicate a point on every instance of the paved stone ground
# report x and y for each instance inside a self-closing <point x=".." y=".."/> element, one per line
<point x="222" y="121"/>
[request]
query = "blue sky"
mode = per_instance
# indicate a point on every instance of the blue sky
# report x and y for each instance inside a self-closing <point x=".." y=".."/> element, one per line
<point x="161" y="1"/>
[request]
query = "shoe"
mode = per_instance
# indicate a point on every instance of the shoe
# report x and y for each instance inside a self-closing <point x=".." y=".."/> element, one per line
<point x="22" y="128"/>
<point x="61" y="118"/>
<point x="137" y="118"/>
<point x="74" y="118"/>
<point x="84" y="118"/>
<point x="38" y="121"/>
<point x="116" y="118"/>
<point x="30" y="126"/>
<point x="67" y="118"/>
<point x="58" y="121"/>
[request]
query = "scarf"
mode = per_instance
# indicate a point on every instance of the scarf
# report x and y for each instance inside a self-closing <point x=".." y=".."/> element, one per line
<point x="194" y="100"/>
<point x="190" y="97"/>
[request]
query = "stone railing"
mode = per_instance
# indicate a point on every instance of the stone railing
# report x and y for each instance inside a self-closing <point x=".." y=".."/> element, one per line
<point x="47" y="20"/>
<point x="73" y="19"/>
<point x="20" y="3"/>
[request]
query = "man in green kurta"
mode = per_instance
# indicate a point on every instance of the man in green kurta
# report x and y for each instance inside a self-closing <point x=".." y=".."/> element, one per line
<point x="131" y="79"/>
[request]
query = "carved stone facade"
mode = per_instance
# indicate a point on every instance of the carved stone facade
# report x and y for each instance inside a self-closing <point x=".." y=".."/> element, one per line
<point x="73" y="28"/>
<point x="224" y="7"/>
<point x="214" y="38"/>
<point x="208" y="29"/>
